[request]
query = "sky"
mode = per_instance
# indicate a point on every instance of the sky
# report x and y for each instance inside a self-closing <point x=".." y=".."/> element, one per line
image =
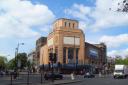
<point x="24" y="21"/>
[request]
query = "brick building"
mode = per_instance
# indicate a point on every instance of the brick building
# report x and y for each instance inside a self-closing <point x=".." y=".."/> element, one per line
<point x="68" y="42"/>
<point x="39" y="43"/>
<point x="95" y="54"/>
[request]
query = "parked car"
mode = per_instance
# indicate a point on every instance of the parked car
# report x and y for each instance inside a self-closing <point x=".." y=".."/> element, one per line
<point x="1" y="73"/>
<point x="48" y="76"/>
<point x="89" y="75"/>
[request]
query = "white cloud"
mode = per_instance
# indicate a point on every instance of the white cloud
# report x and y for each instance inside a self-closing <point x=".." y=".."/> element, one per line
<point x="17" y="17"/>
<point x="115" y="41"/>
<point x="79" y="11"/>
<point x="115" y="53"/>
<point x="99" y="17"/>
<point x="82" y="25"/>
<point x="46" y="28"/>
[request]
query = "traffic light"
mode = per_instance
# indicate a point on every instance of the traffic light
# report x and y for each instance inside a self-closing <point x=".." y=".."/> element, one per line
<point x="49" y="65"/>
<point x="54" y="57"/>
<point x="50" y="56"/>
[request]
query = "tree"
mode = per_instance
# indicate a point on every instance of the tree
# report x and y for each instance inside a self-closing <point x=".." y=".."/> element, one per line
<point x="11" y="64"/>
<point x="3" y="62"/>
<point x="121" y="61"/>
<point x="20" y="58"/>
<point x="122" y="6"/>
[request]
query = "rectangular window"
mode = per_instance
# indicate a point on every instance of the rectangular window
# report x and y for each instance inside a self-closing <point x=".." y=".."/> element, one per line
<point x="70" y="55"/>
<point x="69" y="24"/>
<point x="65" y="24"/>
<point x="73" y="25"/>
<point x="77" y="52"/>
<point x="56" y="51"/>
<point x="64" y="55"/>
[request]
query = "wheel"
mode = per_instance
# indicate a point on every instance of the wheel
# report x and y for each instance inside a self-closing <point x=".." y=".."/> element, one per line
<point x="114" y="77"/>
<point x="125" y="77"/>
<point x="46" y="78"/>
<point x="61" y="77"/>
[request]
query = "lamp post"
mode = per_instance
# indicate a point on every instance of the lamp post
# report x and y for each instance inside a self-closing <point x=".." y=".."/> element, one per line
<point x="75" y="56"/>
<point x="16" y="53"/>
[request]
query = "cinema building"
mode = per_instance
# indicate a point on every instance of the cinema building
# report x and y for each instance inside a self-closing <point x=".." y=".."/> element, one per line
<point x="68" y="42"/>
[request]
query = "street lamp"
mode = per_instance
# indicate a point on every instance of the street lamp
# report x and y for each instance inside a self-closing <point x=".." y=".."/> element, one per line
<point x="16" y="52"/>
<point x="17" y="49"/>
<point x="75" y="62"/>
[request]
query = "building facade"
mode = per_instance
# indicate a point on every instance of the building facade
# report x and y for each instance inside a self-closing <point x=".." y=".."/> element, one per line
<point x="95" y="54"/>
<point x="68" y="42"/>
<point x="32" y="57"/>
<point x="39" y="43"/>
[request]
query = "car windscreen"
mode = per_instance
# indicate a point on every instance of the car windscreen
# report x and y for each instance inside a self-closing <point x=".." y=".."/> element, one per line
<point x="118" y="71"/>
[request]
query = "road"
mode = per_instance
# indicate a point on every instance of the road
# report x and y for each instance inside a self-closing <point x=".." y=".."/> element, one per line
<point x="36" y="79"/>
<point x="102" y="81"/>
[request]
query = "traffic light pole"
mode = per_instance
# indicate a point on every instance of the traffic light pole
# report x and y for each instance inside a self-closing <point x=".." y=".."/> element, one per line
<point x="52" y="57"/>
<point x="52" y="73"/>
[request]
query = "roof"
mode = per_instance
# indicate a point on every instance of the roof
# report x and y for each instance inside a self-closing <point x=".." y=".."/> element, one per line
<point x="65" y="19"/>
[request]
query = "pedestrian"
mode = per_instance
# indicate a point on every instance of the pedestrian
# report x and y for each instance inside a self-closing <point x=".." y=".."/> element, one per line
<point x="100" y="74"/>
<point x="72" y="76"/>
<point x="1" y="73"/>
<point x="14" y="74"/>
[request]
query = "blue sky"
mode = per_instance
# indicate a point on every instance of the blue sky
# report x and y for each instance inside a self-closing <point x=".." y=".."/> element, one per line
<point x="27" y="20"/>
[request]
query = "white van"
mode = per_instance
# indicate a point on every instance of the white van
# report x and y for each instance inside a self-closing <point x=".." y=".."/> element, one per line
<point x="120" y="71"/>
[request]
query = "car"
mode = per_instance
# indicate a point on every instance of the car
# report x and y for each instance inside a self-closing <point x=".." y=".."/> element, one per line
<point x="54" y="76"/>
<point x="89" y="75"/>
<point x="1" y="73"/>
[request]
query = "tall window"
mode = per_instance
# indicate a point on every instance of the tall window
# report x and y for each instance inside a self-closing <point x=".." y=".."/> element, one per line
<point x="64" y="55"/>
<point x="77" y="51"/>
<point x="73" y="25"/>
<point x="65" y="24"/>
<point x="70" y="55"/>
<point x="56" y="51"/>
<point x="69" y="24"/>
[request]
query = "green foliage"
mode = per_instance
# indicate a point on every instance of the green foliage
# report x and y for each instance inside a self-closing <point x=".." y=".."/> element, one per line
<point x="22" y="57"/>
<point x="11" y="64"/>
<point x="122" y="61"/>
<point x="3" y="62"/>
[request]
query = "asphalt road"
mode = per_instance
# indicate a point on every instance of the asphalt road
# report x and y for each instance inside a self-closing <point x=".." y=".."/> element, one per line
<point x="35" y="80"/>
<point x="102" y="81"/>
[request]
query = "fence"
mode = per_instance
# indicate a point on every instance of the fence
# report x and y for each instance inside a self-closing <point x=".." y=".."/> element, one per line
<point x="25" y="78"/>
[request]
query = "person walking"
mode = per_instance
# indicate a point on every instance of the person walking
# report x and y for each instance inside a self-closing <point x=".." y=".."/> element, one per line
<point x="100" y="75"/>
<point x="72" y="76"/>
